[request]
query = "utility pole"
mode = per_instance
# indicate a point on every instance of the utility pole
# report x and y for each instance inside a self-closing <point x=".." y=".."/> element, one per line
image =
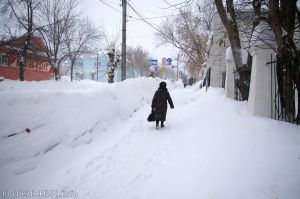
<point x="123" y="61"/>
<point x="178" y="67"/>
<point x="97" y="66"/>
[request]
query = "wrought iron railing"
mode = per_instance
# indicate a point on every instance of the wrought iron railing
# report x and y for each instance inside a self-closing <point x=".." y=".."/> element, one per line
<point x="284" y="92"/>
<point x="242" y="78"/>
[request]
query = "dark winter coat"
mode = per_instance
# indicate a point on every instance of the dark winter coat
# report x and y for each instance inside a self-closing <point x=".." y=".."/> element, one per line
<point x="159" y="103"/>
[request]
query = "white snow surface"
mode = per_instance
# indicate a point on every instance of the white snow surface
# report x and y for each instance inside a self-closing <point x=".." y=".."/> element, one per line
<point x="93" y="138"/>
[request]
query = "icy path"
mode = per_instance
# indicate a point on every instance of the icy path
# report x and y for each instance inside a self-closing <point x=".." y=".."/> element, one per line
<point x="210" y="149"/>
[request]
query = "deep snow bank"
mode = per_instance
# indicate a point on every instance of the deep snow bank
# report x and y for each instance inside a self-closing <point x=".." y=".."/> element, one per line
<point x="64" y="113"/>
<point x="88" y="142"/>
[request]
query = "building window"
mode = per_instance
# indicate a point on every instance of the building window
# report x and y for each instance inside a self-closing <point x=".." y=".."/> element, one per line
<point x="4" y="59"/>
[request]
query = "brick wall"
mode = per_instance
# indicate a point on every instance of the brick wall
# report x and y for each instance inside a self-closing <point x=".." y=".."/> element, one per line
<point x="9" y="72"/>
<point x="36" y="68"/>
<point x="29" y="75"/>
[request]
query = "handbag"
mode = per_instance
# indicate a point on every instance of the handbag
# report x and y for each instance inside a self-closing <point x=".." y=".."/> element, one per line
<point x="151" y="117"/>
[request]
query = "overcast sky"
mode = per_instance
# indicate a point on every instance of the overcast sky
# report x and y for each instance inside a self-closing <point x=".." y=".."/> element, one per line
<point x="138" y="32"/>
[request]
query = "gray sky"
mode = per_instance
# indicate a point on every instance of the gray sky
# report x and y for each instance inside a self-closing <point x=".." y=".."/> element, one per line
<point x="138" y="32"/>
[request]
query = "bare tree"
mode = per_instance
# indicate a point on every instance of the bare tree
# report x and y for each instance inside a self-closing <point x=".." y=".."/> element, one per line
<point x="110" y="44"/>
<point x="81" y="39"/>
<point x="187" y="32"/>
<point x="59" y="17"/>
<point x="23" y="14"/>
<point x="112" y="64"/>
<point x="228" y="18"/>
<point x="206" y="10"/>
<point x="110" y="41"/>
<point x="137" y="61"/>
<point x="282" y="19"/>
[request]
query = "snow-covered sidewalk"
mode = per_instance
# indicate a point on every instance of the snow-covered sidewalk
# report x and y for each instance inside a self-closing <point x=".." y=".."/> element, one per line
<point x="94" y="139"/>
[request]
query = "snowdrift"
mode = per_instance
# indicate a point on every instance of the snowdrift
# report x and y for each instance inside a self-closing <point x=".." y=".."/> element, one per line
<point x="64" y="113"/>
<point x="93" y="139"/>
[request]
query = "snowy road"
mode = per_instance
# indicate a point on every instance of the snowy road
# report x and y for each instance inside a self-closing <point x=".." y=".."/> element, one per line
<point x="210" y="148"/>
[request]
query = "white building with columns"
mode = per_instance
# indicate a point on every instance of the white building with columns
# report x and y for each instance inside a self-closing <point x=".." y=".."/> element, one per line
<point x="216" y="59"/>
<point x="261" y="47"/>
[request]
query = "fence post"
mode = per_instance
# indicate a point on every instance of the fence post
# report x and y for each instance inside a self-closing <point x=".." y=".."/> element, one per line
<point x="260" y="98"/>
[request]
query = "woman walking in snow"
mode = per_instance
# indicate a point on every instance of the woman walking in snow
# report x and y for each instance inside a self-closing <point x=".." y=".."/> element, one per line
<point x="159" y="104"/>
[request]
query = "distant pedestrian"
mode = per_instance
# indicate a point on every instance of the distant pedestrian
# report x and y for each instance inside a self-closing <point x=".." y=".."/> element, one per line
<point x="184" y="81"/>
<point x="159" y="104"/>
<point x="191" y="81"/>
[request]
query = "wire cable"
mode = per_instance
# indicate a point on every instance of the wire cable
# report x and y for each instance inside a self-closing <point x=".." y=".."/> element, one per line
<point x="110" y="6"/>
<point x="181" y="4"/>
<point x="133" y="19"/>
<point x="158" y="17"/>
<point x="143" y="19"/>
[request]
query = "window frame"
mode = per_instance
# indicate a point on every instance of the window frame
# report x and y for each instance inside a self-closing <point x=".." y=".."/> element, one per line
<point x="2" y="59"/>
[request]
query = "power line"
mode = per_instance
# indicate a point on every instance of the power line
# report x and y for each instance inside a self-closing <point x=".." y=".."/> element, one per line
<point x="170" y="5"/>
<point x="158" y="17"/>
<point x="181" y="4"/>
<point x="143" y="19"/>
<point x="142" y="36"/>
<point x="111" y="6"/>
<point x="167" y="36"/>
<point x="133" y="19"/>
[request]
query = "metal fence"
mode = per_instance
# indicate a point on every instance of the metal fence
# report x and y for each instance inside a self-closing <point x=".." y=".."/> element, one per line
<point x="242" y="77"/>
<point x="285" y="95"/>
<point x="207" y="78"/>
<point x="223" y="79"/>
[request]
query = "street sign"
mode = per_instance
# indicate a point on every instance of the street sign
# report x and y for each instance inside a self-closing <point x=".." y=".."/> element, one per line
<point x="169" y="60"/>
<point x="164" y="61"/>
<point x="154" y="62"/>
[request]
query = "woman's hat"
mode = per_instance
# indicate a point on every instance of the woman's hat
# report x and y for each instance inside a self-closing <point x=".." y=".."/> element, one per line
<point x="162" y="85"/>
